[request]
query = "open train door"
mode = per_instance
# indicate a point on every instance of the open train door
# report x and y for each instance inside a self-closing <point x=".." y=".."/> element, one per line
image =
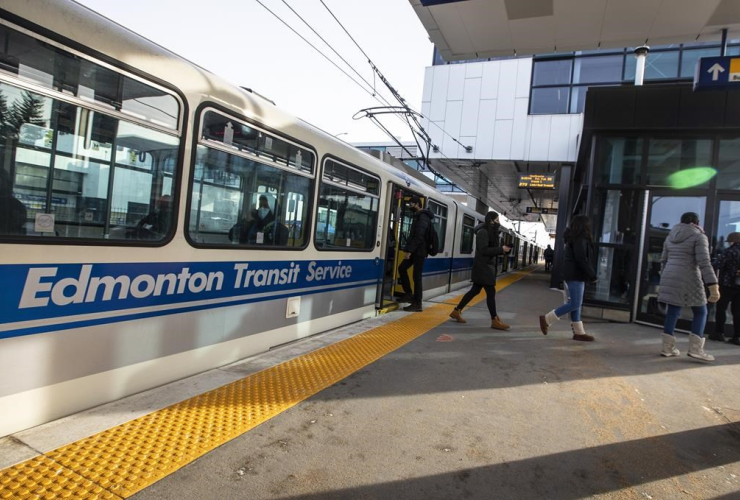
<point x="398" y="230"/>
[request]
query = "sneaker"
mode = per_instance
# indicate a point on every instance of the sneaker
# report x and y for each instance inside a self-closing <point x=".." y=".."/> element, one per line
<point x="413" y="307"/>
<point x="405" y="298"/>
<point x="718" y="337"/>
<point x="734" y="340"/>
<point x="455" y="314"/>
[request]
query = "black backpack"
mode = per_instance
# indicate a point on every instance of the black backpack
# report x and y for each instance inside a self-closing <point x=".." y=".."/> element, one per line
<point x="432" y="240"/>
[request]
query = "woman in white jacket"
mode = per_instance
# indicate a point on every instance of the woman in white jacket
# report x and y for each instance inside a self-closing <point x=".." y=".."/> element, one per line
<point x="687" y="268"/>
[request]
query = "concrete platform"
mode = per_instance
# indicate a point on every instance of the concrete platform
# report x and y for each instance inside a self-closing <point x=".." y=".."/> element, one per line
<point x="469" y="412"/>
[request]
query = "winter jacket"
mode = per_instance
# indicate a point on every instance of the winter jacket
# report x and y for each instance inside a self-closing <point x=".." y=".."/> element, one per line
<point x="685" y="264"/>
<point x="549" y="253"/>
<point x="486" y="250"/>
<point x="417" y="242"/>
<point x="727" y="265"/>
<point x="579" y="261"/>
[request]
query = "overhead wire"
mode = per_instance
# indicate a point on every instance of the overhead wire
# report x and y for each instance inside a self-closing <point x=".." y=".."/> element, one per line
<point x="315" y="48"/>
<point x="393" y="91"/>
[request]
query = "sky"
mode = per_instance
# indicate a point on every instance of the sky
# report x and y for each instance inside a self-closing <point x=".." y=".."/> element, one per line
<point x="242" y="42"/>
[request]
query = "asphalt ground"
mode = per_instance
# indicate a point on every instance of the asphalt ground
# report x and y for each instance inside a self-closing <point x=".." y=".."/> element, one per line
<point x="465" y="411"/>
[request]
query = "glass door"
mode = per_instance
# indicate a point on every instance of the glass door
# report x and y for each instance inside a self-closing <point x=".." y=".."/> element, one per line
<point x="727" y="220"/>
<point x="664" y="212"/>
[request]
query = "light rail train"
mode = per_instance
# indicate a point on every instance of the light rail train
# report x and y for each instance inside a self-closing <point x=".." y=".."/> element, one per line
<point x="157" y="221"/>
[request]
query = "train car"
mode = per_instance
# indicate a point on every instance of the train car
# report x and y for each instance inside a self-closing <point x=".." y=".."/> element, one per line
<point x="157" y="221"/>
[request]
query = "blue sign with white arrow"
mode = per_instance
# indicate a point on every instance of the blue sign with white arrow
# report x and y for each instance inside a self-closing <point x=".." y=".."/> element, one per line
<point x="717" y="73"/>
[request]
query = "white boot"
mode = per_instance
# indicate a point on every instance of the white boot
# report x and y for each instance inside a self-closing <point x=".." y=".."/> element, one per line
<point x="547" y="320"/>
<point x="696" y="348"/>
<point x="669" y="346"/>
<point x="579" y="333"/>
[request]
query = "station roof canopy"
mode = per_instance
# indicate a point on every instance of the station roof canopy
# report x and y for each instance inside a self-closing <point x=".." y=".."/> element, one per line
<point x="473" y="29"/>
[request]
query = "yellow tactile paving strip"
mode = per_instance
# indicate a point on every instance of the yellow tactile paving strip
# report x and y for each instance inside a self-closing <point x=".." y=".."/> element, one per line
<point x="121" y="461"/>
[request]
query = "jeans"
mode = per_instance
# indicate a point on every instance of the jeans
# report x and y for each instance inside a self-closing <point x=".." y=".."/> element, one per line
<point x="418" y="262"/>
<point x="475" y="290"/>
<point x="697" y="324"/>
<point x="728" y="296"/>
<point x="575" y="300"/>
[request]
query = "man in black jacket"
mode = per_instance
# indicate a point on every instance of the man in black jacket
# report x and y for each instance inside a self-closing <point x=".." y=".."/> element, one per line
<point x="415" y="252"/>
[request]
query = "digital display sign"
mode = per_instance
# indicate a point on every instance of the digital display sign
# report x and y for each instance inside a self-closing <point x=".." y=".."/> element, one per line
<point x="537" y="181"/>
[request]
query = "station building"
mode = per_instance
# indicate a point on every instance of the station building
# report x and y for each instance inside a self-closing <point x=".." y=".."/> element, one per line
<point x="600" y="97"/>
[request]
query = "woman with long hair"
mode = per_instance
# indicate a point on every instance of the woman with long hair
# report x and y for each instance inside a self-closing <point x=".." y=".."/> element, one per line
<point x="578" y="270"/>
<point x="687" y="268"/>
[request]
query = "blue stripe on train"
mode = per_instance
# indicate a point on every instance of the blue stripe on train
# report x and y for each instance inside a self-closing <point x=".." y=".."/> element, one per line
<point x="44" y="292"/>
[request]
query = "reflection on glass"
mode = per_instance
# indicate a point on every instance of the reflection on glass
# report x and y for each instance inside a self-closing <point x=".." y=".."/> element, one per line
<point x="552" y="72"/>
<point x="615" y="216"/>
<point x="728" y="221"/>
<point x="614" y="270"/>
<point x="549" y="101"/>
<point x="617" y="160"/>
<point x="605" y="69"/>
<point x="665" y="212"/>
<point x="729" y="164"/>
<point x="668" y="156"/>
<point x="689" y="59"/>
<point x="658" y="65"/>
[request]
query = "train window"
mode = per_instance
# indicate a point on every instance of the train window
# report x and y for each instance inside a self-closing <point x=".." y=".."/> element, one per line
<point x="240" y="201"/>
<point x="71" y="172"/>
<point x="226" y="131"/>
<point x="466" y="242"/>
<point x="348" y="208"/>
<point x="440" y="222"/>
<point x="55" y="68"/>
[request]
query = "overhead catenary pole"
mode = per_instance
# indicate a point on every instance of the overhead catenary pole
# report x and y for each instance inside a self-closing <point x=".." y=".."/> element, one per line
<point x="641" y="56"/>
<point x="723" y="46"/>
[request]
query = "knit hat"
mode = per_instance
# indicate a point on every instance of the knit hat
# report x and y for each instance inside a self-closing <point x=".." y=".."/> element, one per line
<point x="733" y="238"/>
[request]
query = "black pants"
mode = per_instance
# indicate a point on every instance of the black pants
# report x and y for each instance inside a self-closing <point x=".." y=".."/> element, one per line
<point x="548" y="264"/>
<point x="728" y="296"/>
<point x="418" y="262"/>
<point x="475" y="290"/>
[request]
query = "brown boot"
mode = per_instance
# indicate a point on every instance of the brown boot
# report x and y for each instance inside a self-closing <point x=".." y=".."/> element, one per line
<point x="579" y="333"/>
<point x="497" y="324"/>
<point x="455" y="314"/>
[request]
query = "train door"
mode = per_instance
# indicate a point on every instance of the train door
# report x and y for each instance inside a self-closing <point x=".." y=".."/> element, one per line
<point x="399" y="229"/>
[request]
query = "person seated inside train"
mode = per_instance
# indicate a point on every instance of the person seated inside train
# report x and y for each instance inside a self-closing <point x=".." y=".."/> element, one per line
<point x="156" y="224"/>
<point x="259" y="227"/>
<point x="12" y="211"/>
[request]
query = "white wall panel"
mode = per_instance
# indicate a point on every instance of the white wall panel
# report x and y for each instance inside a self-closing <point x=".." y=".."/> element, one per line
<point x="539" y="145"/>
<point x="507" y="89"/>
<point x="519" y="130"/>
<point x="439" y="93"/>
<point x="576" y="128"/>
<point x="452" y="127"/>
<point x="474" y="70"/>
<point x="559" y="138"/>
<point x="435" y="132"/>
<point x="502" y="139"/>
<point x="523" y="77"/>
<point x="471" y="102"/>
<point x="489" y="86"/>
<point x="486" y="127"/>
<point x="425" y="107"/>
<point x="457" y="82"/>
<point x="426" y="94"/>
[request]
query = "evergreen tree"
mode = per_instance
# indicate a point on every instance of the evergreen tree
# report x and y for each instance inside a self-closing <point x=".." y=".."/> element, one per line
<point x="30" y="109"/>
<point x="4" y="116"/>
